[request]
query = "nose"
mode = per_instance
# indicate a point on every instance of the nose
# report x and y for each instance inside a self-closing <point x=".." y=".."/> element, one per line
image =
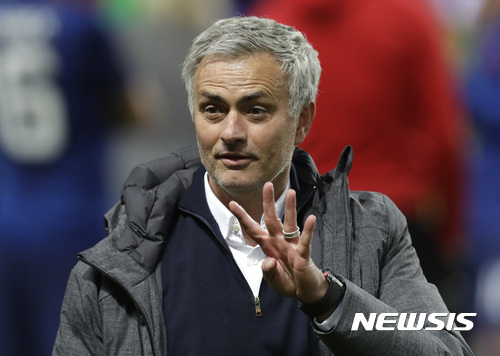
<point x="234" y="129"/>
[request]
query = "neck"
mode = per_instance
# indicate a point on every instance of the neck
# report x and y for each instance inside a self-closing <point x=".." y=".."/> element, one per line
<point x="251" y="199"/>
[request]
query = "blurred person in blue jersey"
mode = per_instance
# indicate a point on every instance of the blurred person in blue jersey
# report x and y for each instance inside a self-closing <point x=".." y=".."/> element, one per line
<point x="61" y="87"/>
<point x="483" y="102"/>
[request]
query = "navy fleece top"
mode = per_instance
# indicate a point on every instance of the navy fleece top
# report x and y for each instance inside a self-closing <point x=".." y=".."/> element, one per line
<point x="208" y="306"/>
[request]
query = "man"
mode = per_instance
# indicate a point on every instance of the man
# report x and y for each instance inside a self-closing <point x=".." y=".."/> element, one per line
<point x="181" y="270"/>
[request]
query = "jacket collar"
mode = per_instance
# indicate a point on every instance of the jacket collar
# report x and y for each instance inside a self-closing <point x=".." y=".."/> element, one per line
<point x="191" y="201"/>
<point x="150" y="198"/>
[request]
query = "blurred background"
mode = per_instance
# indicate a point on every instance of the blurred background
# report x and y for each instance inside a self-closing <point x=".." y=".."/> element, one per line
<point x="91" y="88"/>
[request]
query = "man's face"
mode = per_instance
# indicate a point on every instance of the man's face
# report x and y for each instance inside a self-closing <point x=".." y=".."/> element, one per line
<point x="244" y="133"/>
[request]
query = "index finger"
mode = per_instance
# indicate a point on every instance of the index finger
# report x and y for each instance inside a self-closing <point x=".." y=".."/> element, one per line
<point x="252" y="227"/>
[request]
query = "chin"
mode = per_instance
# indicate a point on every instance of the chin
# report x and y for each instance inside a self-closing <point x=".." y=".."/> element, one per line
<point x="237" y="184"/>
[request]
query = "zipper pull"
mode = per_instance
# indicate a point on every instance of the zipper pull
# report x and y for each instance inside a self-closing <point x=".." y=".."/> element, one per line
<point x="258" y="310"/>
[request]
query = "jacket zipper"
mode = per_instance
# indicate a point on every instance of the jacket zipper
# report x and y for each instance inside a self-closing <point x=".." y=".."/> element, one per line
<point x="258" y="310"/>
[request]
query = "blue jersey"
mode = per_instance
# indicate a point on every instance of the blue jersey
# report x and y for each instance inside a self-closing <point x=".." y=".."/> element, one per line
<point x="57" y="75"/>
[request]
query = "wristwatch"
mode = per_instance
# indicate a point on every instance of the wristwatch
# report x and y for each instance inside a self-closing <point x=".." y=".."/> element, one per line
<point x="332" y="297"/>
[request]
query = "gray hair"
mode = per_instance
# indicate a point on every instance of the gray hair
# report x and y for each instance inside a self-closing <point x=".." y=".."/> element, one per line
<point x="244" y="36"/>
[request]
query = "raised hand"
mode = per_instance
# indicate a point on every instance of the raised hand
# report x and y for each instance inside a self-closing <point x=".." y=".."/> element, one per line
<point x="288" y="269"/>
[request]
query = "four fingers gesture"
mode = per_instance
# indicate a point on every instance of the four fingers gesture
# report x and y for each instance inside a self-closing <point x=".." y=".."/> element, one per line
<point x="288" y="269"/>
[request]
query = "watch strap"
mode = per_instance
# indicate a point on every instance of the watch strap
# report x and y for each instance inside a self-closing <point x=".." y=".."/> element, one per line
<point x="330" y="300"/>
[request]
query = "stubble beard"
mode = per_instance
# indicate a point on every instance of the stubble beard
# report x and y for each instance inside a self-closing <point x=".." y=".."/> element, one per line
<point x="233" y="188"/>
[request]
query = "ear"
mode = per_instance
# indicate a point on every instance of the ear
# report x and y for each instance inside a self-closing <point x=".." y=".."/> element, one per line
<point x="304" y="123"/>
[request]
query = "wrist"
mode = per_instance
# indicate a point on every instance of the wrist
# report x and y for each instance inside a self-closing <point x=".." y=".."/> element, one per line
<point x="326" y="305"/>
<point x="312" y="294"/>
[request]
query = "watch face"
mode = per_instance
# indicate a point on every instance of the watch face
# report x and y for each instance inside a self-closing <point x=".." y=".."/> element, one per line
<point x="333" y="278"/>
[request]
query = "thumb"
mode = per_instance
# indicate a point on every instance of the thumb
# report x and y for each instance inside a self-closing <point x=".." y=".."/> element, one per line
<point x="269" y="267"/>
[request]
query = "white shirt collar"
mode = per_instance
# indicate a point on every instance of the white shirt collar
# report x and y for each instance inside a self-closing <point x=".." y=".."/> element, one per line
<point x="228" y="224"/>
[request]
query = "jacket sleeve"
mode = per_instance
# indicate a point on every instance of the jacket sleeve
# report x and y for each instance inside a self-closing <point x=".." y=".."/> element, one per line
<point x="402" y="288"/>
<point x="80" y="327"/>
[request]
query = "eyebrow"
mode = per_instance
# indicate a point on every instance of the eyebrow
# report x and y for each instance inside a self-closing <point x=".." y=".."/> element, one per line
<point x="210" y="96"/>
<point x="246" y="98"/>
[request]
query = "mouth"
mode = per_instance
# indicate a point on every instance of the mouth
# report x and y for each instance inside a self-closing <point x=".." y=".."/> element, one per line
<point x="235" y="160"/>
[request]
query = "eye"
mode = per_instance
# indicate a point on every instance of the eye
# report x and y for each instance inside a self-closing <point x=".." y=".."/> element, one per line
<point x="211" y="112"/>
<point x="257" y="112"/>
<point x="210" y="109"/>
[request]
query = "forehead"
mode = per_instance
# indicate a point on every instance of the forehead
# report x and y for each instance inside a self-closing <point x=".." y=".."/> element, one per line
<point x="258" y="70"/>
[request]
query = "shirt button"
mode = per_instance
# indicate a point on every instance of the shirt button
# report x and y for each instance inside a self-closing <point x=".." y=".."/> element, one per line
<point x="254" y="261"/>
<point x="236" y="229"/>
